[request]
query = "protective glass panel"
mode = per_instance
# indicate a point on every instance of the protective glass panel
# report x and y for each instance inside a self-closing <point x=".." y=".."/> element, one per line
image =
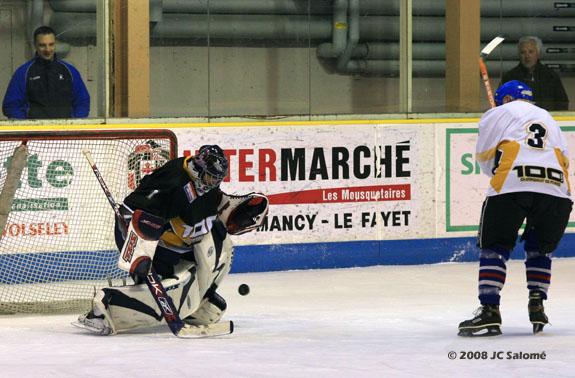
<point x="259" y="57"/>
<point x="538" y="48"/>
<point x="355" y="65"/>
<point x="179" y="59"/>
<point x="428" y="56"/>
<point x="268" y="59"/>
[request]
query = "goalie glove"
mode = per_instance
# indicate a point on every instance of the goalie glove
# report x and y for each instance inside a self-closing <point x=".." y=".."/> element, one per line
<point x="244" y="213"/>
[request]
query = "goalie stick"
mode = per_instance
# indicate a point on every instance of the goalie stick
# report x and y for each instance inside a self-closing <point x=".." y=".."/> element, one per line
<point x="166" y="305"/>
<point x="483" y="68"/>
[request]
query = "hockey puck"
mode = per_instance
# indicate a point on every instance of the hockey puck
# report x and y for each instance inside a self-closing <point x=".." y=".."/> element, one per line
<point x="243" y="289"/>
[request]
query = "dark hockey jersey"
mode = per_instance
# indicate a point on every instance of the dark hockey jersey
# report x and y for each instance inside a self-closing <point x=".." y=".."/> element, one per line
<point x="169" y="193"/>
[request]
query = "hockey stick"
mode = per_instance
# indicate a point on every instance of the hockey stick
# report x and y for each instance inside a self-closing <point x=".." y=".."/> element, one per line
<point x="14" y="171"/>
<point x="483" y="68"/>
<point x="163" y="300"/>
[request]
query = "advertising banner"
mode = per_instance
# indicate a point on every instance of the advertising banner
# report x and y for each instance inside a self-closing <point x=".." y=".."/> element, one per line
<point x="465" y="185"/>
<point x="330" y="183"/>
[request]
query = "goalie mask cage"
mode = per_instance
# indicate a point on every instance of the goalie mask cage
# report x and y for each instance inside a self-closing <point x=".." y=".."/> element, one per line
<point x="57" y="245"/>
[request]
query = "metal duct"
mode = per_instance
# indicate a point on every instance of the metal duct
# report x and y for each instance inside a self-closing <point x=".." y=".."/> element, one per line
<point x="74" y="5"/>
<point x="339" y="27"/>
<point x="249" y="6"/>
<point x="489" y="8"/>
<point x="35" y="20"/>
<point x="435" y="68"/>
<point x="35" y="17"/>
<point x="353" y="37"/>
<point x="432" y="29"/>
<point x="302" y="21"/>
<point x="184" y="26"/>
<point x="379" y="28"/>
<point x="302" y="7"/>
<point x="436" y="51"/>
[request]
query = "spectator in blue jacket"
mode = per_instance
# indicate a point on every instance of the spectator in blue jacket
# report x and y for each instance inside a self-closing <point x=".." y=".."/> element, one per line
<point x="46" y="87"/>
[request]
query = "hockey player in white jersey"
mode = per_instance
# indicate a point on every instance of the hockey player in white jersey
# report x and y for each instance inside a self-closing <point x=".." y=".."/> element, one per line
<point x="178" y="224"/>
<point x="521" y="148"/>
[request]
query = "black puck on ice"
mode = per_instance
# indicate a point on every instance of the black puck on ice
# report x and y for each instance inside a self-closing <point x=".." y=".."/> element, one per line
<point x="243" y="289"/>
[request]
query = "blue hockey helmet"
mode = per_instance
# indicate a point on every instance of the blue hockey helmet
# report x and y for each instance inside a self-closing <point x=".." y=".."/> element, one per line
<point x="211" y="166"/>
<point x="514" y="88"/>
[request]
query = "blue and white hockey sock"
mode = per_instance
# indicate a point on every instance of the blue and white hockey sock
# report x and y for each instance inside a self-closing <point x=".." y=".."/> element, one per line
<point x="538" y="272"/>
<point x="492" y="274"/>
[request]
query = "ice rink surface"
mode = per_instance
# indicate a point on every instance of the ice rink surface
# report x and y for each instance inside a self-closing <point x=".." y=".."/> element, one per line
<point x="385" y="321"/>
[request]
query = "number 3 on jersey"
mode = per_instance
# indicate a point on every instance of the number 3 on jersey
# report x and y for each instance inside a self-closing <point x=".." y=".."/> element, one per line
<point x="537" y="134"/>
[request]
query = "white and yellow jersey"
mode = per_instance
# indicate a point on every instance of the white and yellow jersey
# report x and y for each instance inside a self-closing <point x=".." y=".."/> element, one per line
<point x="522" y="149"/>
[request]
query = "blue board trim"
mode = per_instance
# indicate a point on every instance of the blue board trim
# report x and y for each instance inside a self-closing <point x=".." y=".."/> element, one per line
<point x="265" y="258"/>
<point x="98" y="265"/>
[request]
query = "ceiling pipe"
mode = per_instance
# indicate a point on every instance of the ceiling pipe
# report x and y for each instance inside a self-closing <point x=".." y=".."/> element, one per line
<point x="489" y="8"/>
<point x="344" y="60"/>
<point x="231" y="27"/>
<point x="280" y="27"/>
<point x="378" y="50"/>
<point x="339" y="31"/>
<point x="249" y="6"/>
<point x="436" y="51"/>
<point x="36" y="19"/>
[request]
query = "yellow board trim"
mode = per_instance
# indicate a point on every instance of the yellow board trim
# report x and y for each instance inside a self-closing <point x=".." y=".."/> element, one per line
<point x="161" y="125"/>
<point x="157" y="124"/>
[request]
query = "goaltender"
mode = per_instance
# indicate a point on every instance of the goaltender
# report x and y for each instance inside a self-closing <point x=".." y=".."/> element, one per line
<point x="179" y="222"/>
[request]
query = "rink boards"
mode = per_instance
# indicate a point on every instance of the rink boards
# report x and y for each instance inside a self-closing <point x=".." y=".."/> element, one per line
<point x="349" y="193"/>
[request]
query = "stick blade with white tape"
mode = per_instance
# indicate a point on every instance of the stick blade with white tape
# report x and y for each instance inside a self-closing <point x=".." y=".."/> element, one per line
<point x="491" y="46"/>
<point x="200" y="331"/>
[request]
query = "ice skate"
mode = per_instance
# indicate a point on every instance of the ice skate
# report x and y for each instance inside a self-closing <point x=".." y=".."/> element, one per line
<point x="487" y="322"/>
<point x="93" y="323"/>
<point x="537" y="312"/>
<point x="97" y="319"/>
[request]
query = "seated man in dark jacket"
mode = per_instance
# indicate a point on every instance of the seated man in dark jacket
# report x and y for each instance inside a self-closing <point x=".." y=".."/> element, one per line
<point x="548" y="91"/>
<point x="46" y="87"/>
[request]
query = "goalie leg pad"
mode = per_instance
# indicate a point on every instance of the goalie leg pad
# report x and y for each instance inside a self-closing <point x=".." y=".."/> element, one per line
<point x="144" y="232"/>
<point x="213" y="255"/>
<point x="131" y="307"/>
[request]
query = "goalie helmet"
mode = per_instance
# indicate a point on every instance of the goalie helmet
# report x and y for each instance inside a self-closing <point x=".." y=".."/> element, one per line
<point x="210" y="167"/>
<point x="515" y="89"/>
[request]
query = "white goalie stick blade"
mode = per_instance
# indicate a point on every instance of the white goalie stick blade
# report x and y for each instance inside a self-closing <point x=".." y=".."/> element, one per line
<point x="187" y="332"/>
<point x="210" y="330"/>
<point x="491" y="46"/>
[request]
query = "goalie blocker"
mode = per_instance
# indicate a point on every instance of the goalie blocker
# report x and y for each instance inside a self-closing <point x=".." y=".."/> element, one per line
<point x="190" y="279"/>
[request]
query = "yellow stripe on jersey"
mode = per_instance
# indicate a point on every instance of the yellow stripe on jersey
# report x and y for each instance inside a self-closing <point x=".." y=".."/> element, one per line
<point x="182" y="231"/>
<point x="486" y="155"/>
<point x="171" y="239"/>
<point x="510" y="150"/>
<point x="564" y="163"/>
<point x="186" y="162"/>
<point x="175" y="237"/>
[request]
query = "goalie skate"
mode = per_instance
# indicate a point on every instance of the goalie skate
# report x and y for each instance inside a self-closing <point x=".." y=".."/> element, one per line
<point x="96" y="320"/>
<point x="487" y="322"/>
<point x="94" y="323"/>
